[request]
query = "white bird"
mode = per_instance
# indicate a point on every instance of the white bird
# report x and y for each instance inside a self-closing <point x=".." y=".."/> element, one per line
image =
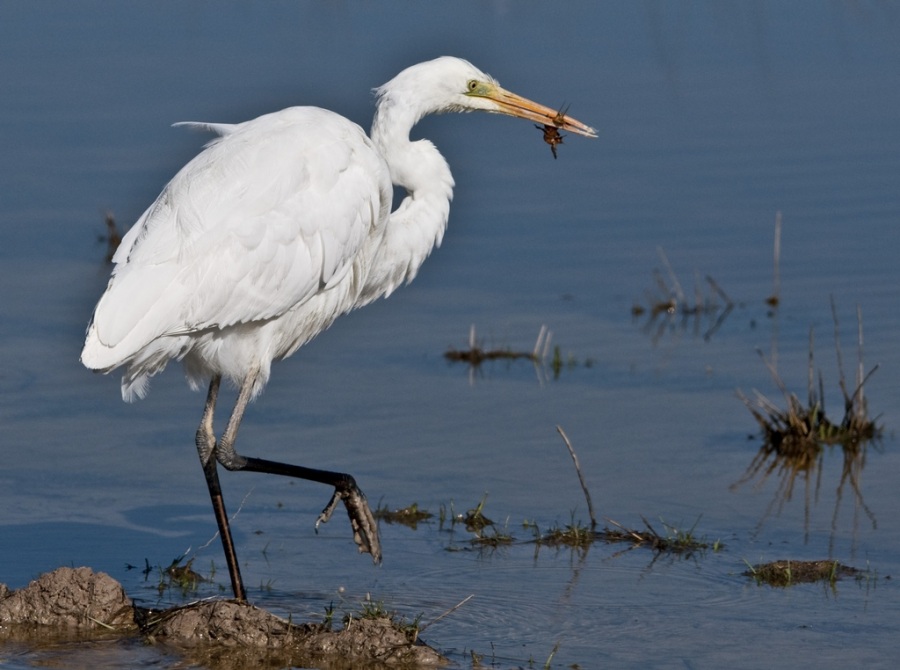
<point x="279" y="226"/>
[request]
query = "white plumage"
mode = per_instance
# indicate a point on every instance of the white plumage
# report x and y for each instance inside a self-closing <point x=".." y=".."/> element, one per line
<point x="280" y="225"/>
<point x="253" y="248"/>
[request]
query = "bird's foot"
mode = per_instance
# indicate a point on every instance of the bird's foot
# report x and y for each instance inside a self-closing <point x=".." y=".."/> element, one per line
<point x="365" y="529"/>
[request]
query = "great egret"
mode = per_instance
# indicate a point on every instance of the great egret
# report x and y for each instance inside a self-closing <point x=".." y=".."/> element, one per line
<point x="279" y="226"/>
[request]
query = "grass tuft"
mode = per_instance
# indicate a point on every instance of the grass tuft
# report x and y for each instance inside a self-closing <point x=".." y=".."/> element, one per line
<point x="669" y="303"/>
<point x="409" y="516"/>
<point x="796" y="436"/>
<point x="676" y="541"/>
<point x="786" y="573"/>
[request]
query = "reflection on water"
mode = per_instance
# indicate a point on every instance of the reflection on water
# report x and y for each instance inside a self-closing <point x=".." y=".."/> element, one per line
<point x="806" y="462"/>
<point x="670" y="308"/>
<point x="796" y="438"/>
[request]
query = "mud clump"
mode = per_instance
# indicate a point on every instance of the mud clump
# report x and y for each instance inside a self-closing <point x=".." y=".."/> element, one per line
<point x="226" y="631"/>
<point x="68" y="599"/>
<point x="76" y="604"/>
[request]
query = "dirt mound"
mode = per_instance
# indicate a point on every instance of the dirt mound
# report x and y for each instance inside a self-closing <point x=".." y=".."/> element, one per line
<point x="77" y="603"/>
<point x="69" y="598"/>
<point x="226" y="630"/>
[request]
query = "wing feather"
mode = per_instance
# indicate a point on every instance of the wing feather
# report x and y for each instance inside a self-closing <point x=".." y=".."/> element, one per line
<point x="269" y="214"/>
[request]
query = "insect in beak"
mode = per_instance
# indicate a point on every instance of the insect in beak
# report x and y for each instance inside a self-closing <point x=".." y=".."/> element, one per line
<point x="552" y="135"/>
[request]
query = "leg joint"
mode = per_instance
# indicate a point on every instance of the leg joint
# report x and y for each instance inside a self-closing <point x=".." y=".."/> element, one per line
<point x="229" y="458"/>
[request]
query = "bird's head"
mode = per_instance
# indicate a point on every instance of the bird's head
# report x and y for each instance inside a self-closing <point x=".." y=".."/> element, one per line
<point x="449" y="84"/>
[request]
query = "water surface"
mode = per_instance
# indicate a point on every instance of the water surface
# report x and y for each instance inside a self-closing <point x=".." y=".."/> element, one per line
<point x="712" y="118"/>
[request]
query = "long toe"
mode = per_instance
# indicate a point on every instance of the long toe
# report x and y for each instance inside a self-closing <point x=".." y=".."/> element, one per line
<point x="365" y="528"/>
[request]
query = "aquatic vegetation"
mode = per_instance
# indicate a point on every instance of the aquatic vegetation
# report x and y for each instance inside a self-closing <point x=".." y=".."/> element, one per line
<point x="788" y="573"/>
<point x="410" y="515"/>
<point x="492" y="537"/>
<point x="574" y="535"/>
<point x="178" y="576"/>
<point x="541" y="356"/>
<point x="111" y="237"/>
<point x="476" y="354"/>
<point x="675" y="540"/>
<point x="668" y="303"/>
<point x="796" y="436"/>
<point x="182" y="576"/>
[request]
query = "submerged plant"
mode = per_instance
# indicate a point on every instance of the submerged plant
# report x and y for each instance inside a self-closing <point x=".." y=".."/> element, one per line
<point x="407" y="516"/>
<point x="475" y="519"/>
<point x="674" y="541"/>
<point x="476" y="354"/>
<point x="492" y="538"/>
<point x="669" y="303"/>
<point x="112" y="237"/>
<point x="574" y="535"/>
<point x="540" y="356"/>
<point x="177" y="576"/>
<point x="788" y="573"/>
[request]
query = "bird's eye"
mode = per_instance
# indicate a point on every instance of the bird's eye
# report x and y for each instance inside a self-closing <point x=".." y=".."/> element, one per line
<point x="473" y="85"/>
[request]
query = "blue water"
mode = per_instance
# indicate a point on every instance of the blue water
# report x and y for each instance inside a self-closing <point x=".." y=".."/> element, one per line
<point x="712" y="118"/>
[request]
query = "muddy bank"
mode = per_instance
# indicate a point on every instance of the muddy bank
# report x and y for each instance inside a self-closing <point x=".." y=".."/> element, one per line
<point x="73" y="604"/>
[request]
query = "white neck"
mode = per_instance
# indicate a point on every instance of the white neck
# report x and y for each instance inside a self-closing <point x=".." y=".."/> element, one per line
<point x="417" y="225"/>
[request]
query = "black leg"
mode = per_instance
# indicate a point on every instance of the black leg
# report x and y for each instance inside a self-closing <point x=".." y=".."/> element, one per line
<point x="206" y="443"/>
<point x="365" y="529"/>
